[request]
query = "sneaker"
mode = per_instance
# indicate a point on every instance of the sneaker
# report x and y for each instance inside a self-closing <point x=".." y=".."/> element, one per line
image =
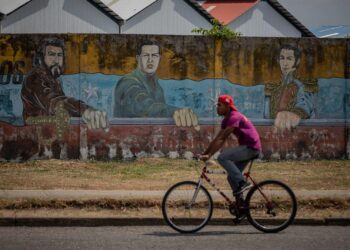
<point x="242" y="213"/>
<point x="241" y="216"/>
<point x="243" y="186"/>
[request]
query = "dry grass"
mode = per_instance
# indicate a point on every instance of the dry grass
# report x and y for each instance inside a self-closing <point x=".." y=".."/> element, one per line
<point x="158" y="174"/>
<point x="114" y="204"/>
<point x="82" y="213"/>
<point x="147" y="213"/>
<point x="321" y="208"/>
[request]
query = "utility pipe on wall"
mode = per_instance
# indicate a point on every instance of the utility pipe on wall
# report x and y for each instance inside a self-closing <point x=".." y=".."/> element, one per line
<point x="120" y="24"/>
<point x="1" y="18"/>
<point x="347" y="98"/>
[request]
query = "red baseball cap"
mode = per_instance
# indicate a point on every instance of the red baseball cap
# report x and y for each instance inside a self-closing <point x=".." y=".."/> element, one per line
<point x="228" y="100"/>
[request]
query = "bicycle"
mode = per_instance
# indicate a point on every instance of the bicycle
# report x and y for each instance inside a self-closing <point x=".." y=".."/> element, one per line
<point x="270" y="206"/>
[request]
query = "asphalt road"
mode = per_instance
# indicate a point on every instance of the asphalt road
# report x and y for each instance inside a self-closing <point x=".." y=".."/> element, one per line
<point x="162" y="237"/>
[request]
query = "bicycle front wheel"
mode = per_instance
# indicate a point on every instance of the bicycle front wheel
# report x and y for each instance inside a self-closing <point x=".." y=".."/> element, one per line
<point x="272" y="206"/>
<point x="187" y="207"/>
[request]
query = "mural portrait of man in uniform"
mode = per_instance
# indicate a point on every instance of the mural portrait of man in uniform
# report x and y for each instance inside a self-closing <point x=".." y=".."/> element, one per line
<point x="290" y="99"/>
<point x="42" y="91"/>
<point x="139" y="94"/>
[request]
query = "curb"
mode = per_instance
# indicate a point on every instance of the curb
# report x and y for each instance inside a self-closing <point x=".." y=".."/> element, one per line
<point x="79" y="222"/>
<point x="98" y="222"/>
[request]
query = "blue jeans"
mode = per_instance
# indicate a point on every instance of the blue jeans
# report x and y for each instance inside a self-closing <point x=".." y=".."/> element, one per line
<point x="234" y="161"/>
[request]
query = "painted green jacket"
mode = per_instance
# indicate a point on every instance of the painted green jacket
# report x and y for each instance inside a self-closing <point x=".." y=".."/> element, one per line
<point x="137" y="95"/>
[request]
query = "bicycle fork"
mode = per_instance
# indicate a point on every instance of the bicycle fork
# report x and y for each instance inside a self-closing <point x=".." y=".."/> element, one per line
<point x="194" y="197"/>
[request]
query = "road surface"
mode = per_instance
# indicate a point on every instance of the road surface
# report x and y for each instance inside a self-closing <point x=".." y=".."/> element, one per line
<point x="163" y="237"/>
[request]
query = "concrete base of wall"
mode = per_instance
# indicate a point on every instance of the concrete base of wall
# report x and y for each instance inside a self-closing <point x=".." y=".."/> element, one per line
<point x="137" y="141"/>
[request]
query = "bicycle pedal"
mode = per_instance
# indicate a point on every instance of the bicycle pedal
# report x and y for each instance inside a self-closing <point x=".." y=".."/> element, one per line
<point x="236" y="221"/>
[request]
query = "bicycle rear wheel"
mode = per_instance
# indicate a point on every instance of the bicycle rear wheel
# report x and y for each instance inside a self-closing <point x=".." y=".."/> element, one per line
<point x="186" y="207"/>
<point x="272" y="206"/>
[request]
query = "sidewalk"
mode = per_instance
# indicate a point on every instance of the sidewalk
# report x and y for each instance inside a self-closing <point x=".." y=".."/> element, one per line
<point x="139" y="195"/>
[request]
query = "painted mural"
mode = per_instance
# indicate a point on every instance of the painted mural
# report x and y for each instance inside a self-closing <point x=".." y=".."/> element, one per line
<point x="290" y="99"/>
<point x="139" y="94"/>
<point x="42" y="94"/>
<point x="125" y="96"/>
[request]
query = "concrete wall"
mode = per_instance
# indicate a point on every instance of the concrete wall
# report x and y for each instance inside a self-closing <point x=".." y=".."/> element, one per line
<point x="42" y="116"/>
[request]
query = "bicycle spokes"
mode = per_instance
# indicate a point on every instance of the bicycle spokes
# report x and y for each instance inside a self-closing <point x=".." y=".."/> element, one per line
<point x="187" y="207"/>
<point x="272" y="206"/>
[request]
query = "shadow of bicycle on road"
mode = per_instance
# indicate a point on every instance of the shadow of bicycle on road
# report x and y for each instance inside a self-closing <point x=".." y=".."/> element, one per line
<point x="201" y="233"/>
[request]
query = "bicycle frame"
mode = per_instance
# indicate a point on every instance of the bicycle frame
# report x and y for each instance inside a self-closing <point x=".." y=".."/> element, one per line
<point x="204" y="176"/>
<point x="248" y="177"/>
<point x="211" y="183"/>
<point x="257" y="205"/>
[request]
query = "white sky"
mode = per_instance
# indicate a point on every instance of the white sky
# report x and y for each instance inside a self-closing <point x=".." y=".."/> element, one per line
<point x="315" y="13"/>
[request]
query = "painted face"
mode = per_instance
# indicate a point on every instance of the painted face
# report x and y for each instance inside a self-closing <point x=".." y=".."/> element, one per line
<point x="222" y="109"/>
<point x="287" y="61"/>
<point x="53" y="59"/>
<point x="149" y="58"/>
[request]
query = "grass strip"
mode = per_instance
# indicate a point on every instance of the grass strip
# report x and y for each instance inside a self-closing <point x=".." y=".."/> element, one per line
<point x="323" y="203"/>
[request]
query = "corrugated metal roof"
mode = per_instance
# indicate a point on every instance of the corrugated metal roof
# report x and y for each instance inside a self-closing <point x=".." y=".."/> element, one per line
<point x="8" y="6"/>
<point x="107" y="11"/>
<point x="227" y="10"/>
<point x="273" y="3"/>
<point x="127" y="8"/>
<point x="197" y="5"/>
<point x="287" y="15"/>
<point x="122" y="10"/>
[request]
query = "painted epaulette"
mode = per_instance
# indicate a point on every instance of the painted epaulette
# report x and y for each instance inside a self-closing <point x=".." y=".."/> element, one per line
<point x="271" y="87"/>
<point x="310" y="85"/>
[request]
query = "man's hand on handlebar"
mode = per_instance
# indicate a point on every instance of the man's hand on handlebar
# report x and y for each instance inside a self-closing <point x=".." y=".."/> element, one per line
<point x="203" y="157"/>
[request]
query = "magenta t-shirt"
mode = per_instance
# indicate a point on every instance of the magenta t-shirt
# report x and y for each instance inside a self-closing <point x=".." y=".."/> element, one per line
<point x="244" y="130"/>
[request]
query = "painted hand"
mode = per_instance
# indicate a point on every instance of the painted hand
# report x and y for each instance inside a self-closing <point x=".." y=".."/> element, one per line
<point x="95" y="119"/>
<point x="186" y="118"/>
<point x="286" y="120"/>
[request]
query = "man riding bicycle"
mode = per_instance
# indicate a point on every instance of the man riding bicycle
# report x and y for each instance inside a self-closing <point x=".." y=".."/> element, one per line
<point x="236" y="158"/>
<point x="262" y="206"/>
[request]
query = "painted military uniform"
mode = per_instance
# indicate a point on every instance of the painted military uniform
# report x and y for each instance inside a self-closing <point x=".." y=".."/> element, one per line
<point x="41" y="92"/>
<point x="137" y="95"/>
<point x="292" y="95"/>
